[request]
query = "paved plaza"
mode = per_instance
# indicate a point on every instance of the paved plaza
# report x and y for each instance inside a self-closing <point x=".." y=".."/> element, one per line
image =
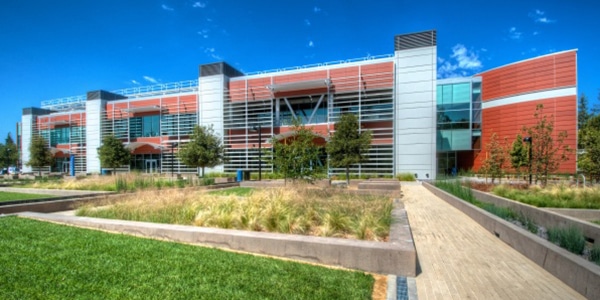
<point x="461" y="260"/>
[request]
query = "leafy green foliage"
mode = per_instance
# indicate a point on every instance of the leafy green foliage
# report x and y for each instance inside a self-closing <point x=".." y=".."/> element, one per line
<point x="9" y="154"/>
<point x="112" y="153"/>
<point x="348" y="145"/>
<point x="519" y="154"/>
<point x="297" y="157"/>
<point x="39" y="152"/>
<point x="493" y="164"/>
<point x="204" y="149"/>
<point x="548" y="150"/>
<point x="589" y="139"/>
<point x="405" y="177"/>
<point x="48" y="261"/>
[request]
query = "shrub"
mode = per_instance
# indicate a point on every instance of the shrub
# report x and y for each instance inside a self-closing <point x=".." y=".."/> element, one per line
<point x="405" y="177"/>
<point x="570" y="238"/>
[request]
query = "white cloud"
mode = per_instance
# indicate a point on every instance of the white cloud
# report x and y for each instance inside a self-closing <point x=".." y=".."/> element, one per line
<point x="167" y="8"/>
<point x="536" y="32"/>
<point x="462" y="62"/>
<point x="317" y="9"/>
<point x="199" y="4"/>
<point x="135" y="82"/>
<point x="203" y="33"/>
<point x="539" y="16"/>
<point x="306" y="22"/>
<point x="514" y="34"/>
<point x="212" y="53"/>
<point x="150" y="79"/>
<point x="311" y="44"/>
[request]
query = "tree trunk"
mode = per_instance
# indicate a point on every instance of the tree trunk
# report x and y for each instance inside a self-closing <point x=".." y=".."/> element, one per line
<point x="202" y="172"/>
<point x="347" y="176"/>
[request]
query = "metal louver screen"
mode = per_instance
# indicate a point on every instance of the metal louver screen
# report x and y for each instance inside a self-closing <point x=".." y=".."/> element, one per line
<point x="415" y="40"/>
<point x="218" y="69"/>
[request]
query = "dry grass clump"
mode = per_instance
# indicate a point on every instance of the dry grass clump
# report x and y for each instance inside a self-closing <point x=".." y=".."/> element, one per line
<point x="91" y="183"/>
<point x="304" y="211"/>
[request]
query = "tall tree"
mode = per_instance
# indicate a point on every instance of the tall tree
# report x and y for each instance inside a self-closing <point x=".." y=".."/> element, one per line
<point x="494" y="163"/>
<point x="113" y="153"/>
<point x="519" y="155"/>
<point x="547" y="152"/>
<point x="9" y="155"/>
<point x="297" y="157"/>
<point x="348" y="145"/>
<point x="589" y="138"/>
<point x="204" y="149"/>
<point x="583" y="112"/>
<point x="40" y="154"/>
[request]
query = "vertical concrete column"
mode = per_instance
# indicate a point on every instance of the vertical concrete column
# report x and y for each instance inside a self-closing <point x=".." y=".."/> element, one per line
<point x="415" y="104"/>
<point x="94" y="109"/>
<point x="27" y="123"/>
<point x="212" y="88"/>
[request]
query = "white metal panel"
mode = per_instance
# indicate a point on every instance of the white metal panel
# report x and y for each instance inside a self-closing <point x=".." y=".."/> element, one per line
<point x="415" y="112"/>
<point x="93" y="130"/>
<point x="26" y="134"/>
<point x="211" y="92"/>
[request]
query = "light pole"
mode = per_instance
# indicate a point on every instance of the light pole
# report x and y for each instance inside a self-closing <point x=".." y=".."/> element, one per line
<point x="529" y="140"/>
<point x="173" y="157"/>
<point x="259" y="128"/>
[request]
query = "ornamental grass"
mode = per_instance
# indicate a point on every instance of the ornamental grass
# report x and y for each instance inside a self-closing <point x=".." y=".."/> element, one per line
<point x="295" y="210"/>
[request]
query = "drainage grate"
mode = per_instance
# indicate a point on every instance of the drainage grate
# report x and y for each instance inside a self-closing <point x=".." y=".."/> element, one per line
<point x="401" y="288"/>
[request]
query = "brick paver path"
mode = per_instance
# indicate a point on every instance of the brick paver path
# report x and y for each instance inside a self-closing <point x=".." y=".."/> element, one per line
<point x="461" y="260"/>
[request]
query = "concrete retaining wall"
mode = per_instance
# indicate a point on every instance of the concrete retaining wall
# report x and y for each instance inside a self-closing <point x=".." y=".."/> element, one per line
<point x="397" y="257"/>
<point x="583" y="276"/>
<point x="581" y="214"/>
<point x="50" y="206"/>
<point x="543" y="217"/>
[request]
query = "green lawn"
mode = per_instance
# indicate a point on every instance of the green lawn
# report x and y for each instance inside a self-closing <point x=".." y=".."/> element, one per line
<point x="237" y="191"/>
<point x="47" y="261"/>
<point x="10" y="196"/>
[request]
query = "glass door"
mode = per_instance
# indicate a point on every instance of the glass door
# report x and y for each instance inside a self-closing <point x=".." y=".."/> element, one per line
<point x="151" y="166"/>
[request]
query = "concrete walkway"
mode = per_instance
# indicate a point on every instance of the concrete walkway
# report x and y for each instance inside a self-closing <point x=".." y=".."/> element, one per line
<point x="461" y="260"/>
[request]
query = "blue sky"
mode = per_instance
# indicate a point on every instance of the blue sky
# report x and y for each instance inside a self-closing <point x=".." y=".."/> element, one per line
<point x="55" y="49"/>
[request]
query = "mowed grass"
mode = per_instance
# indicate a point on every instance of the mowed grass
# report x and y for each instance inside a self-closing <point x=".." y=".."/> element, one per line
<point x="48" y="261"/>
<point x="10" y="196"/>
<point x="295" y="210"/>
<point x="558" y="196"/>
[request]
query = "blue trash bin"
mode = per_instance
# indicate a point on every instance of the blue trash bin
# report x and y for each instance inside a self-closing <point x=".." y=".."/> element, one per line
<point x="240" y="174"/>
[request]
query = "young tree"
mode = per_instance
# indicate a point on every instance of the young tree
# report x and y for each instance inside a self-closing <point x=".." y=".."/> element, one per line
<point x="113" y="153"/>
<point x="40" y="154"/>
<point x="519" y="155"/>
<point x="547" y="152"/>
<point x="496" y="158"/>
<point x="204" y="149"/>
<point x="348" y="146"/>
<point x="296" y="157"/>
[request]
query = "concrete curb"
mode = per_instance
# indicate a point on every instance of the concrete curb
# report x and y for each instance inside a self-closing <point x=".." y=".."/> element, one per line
<point x="397" y="258"/>
<point x="581" y="275"/>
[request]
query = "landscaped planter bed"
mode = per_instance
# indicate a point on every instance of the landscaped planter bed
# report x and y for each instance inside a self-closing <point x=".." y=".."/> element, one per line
<point x="581" y="275"/>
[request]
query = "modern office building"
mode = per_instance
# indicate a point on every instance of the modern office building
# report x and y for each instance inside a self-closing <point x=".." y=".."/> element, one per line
<point x="420" y="124"/>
